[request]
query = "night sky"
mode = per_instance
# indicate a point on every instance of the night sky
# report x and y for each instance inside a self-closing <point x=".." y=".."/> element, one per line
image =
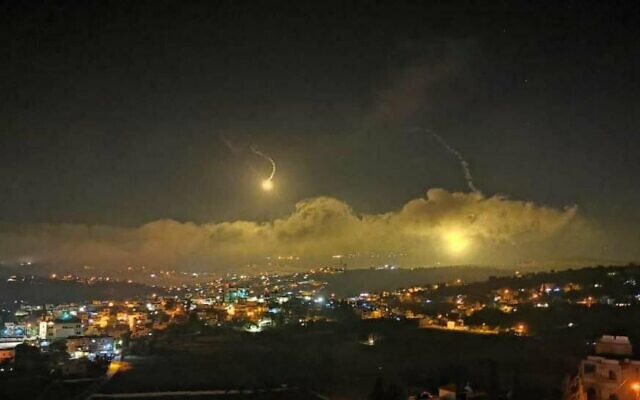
<point x="118" y="114"/>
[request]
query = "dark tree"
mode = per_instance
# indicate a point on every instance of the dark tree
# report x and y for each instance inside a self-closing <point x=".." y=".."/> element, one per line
<point x="378" y="390"/>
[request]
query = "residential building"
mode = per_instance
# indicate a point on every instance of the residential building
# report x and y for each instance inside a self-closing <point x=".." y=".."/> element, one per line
<point x="610" y="374"/>
<point x="60" y="328"/>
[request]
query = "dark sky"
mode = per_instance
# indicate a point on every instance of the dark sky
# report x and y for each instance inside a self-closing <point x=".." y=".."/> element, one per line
<point x="112" y="112"/>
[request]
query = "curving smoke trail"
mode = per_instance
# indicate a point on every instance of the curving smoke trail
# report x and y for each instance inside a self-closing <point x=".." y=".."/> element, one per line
<point x="267" y="184"/>
<point x="463" y="162"/>
<point x="266" y="157"/>
<point x="466" y="169"/>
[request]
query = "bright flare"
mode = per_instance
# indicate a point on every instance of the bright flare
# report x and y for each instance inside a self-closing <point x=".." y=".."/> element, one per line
<point x="267" y="185"/>
<point x="456" y="242"/>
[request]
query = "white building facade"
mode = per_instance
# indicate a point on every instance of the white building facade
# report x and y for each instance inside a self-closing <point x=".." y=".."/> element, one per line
<point x="610" y="374"/>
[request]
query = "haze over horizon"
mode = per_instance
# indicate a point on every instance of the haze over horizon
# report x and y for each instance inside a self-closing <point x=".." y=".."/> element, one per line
<point x="126" y="134"/>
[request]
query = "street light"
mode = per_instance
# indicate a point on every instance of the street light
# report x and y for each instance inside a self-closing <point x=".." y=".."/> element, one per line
<point x="635" y="386"/>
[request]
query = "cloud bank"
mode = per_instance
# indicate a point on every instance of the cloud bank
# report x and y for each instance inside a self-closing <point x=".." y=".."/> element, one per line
<point x="442" y="227"/>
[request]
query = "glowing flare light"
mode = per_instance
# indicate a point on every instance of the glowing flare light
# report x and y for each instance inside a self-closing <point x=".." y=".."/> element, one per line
<point x="456" y="242"/>
<point x="267" y="185"/>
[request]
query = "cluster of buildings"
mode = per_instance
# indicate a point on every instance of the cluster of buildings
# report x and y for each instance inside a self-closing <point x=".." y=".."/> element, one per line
<point x="256" y="300"/>
<point x="458" y="306"/>
<point x="95" y="330"/>
<point x="425" y="304"/>
<point x="99" y="329"/>
<point x="254" y="303"/>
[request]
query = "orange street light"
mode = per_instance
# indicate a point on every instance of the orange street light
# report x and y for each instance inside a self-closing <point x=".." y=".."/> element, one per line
<point x="635" y="386"/>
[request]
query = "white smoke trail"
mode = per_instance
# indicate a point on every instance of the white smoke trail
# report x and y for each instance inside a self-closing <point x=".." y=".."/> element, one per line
<point x="466" y="169"/>
<point x="266" y="157"/>
<point x="235" y="149"/>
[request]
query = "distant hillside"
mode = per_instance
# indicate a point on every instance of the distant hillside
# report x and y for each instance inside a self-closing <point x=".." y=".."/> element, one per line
<point x="35" y="269"/>
<point x="39" y="290"/>
<point x="354" y="282"/>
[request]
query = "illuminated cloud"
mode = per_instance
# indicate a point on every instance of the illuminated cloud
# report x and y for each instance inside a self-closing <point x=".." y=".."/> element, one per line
<point x="443" y="227"/>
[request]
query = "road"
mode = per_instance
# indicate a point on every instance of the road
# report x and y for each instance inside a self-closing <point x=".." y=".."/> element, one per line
<point x="113" y="369"/>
